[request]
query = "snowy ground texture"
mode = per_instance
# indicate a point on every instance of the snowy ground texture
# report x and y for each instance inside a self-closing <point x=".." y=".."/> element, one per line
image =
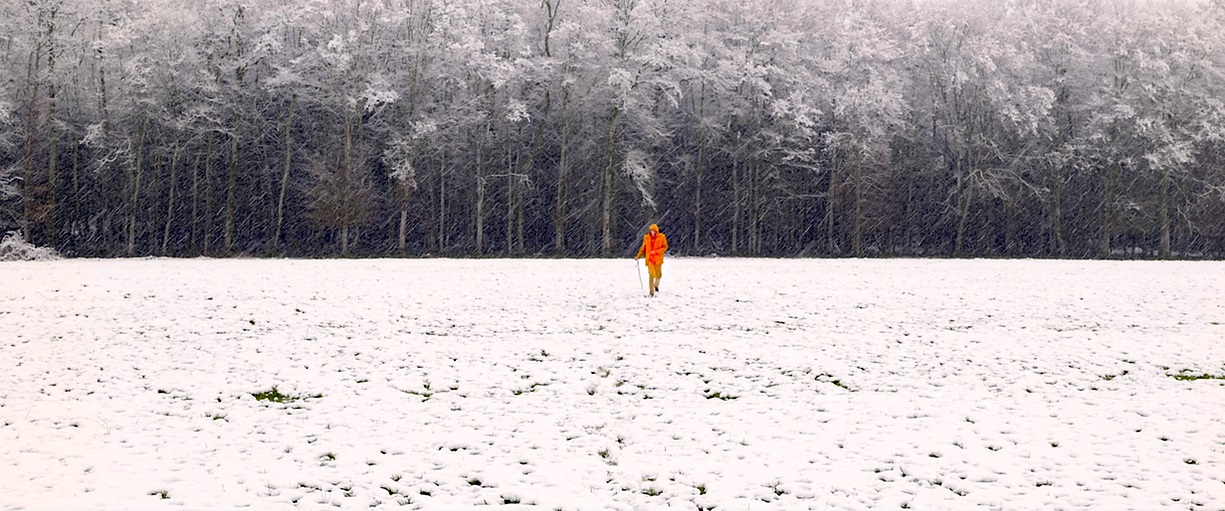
<point x="747" y="385"/>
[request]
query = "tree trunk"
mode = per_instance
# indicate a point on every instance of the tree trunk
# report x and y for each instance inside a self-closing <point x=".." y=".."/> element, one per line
<point x="105" y="198"/>
<point x="1010" y="230"/>
<point x="750" y="212"/>
<point x="526" y="171"/>
<point x="510" y="206"/>
<point x="1058" y="244"/>
<point x="174" y="168"/>
<point x="231" y="187"/>
<point x="100" y="56"/>
<point x="33" y="72"/>
<point x="1107" y="209"/>
<point x="563" y="171"/>
<point x="209" y="214"/>
<point x="856" y="238"/>
<point x="520" y="202"/>
<point x="755" y="209"/>
<point x="280" y="204"/>
<point x="53" y="139"/>
<point x="831" y="203"/>
<point x="480" y="197"/>
<point x="403" y="228"/>
<point x="347" y="213"/>
<point x="1163" y="212"/>
<point x="735" y="207"/>
<point x="697" y="202"/>
<point x="909" y="232"/>
<point x="138" y="171"/>
<point x="480" y="192"/>
<point x="195" y="205"/>
<point x="966" y="192"/>
<point x="76" y="192"/>
<point x="52" y="164"/>
<point x="442" y="210"/>
<point x="857" y="235"/>
<point x="609" y="174"/>
<point x="700" y="98"/>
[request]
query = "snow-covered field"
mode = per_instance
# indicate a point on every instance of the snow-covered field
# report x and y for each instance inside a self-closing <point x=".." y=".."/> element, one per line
<point x="554" y="384"/>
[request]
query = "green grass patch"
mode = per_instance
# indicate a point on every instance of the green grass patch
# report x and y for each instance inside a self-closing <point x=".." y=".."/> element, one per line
<point x="163" y="494"/>
<point x="1186" y="376"/>
<point x="719" y="395"/>
<point x="276" y="396"/>
<point x="829" y="378"/>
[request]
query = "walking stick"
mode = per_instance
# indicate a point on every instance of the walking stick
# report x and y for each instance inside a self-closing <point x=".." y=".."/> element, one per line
<point x="639" y="268"/>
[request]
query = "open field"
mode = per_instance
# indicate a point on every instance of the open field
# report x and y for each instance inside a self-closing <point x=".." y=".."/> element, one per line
<point x="554" y="384"/>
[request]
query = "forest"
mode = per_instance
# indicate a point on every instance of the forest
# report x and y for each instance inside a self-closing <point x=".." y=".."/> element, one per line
<point x="551" y="128"/>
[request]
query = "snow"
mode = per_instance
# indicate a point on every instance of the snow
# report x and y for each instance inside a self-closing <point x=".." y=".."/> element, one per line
<point x="14" y="247"/>
<point x="554" y="384"/>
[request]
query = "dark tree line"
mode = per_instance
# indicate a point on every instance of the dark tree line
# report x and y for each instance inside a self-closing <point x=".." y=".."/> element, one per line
<point x="1050" y="128"/>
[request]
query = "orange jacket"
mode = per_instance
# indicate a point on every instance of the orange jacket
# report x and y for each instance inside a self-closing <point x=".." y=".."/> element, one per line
<point x="653" y="247"/>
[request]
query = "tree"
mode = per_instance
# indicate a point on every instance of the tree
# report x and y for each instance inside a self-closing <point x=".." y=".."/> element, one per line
<point x="10" y="192"/>
<point x="865" y="107"/>
<point x="1088" y="128"/>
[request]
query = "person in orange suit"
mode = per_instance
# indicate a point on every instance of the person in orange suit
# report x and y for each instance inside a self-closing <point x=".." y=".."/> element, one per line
<point x="654" y="244"/>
